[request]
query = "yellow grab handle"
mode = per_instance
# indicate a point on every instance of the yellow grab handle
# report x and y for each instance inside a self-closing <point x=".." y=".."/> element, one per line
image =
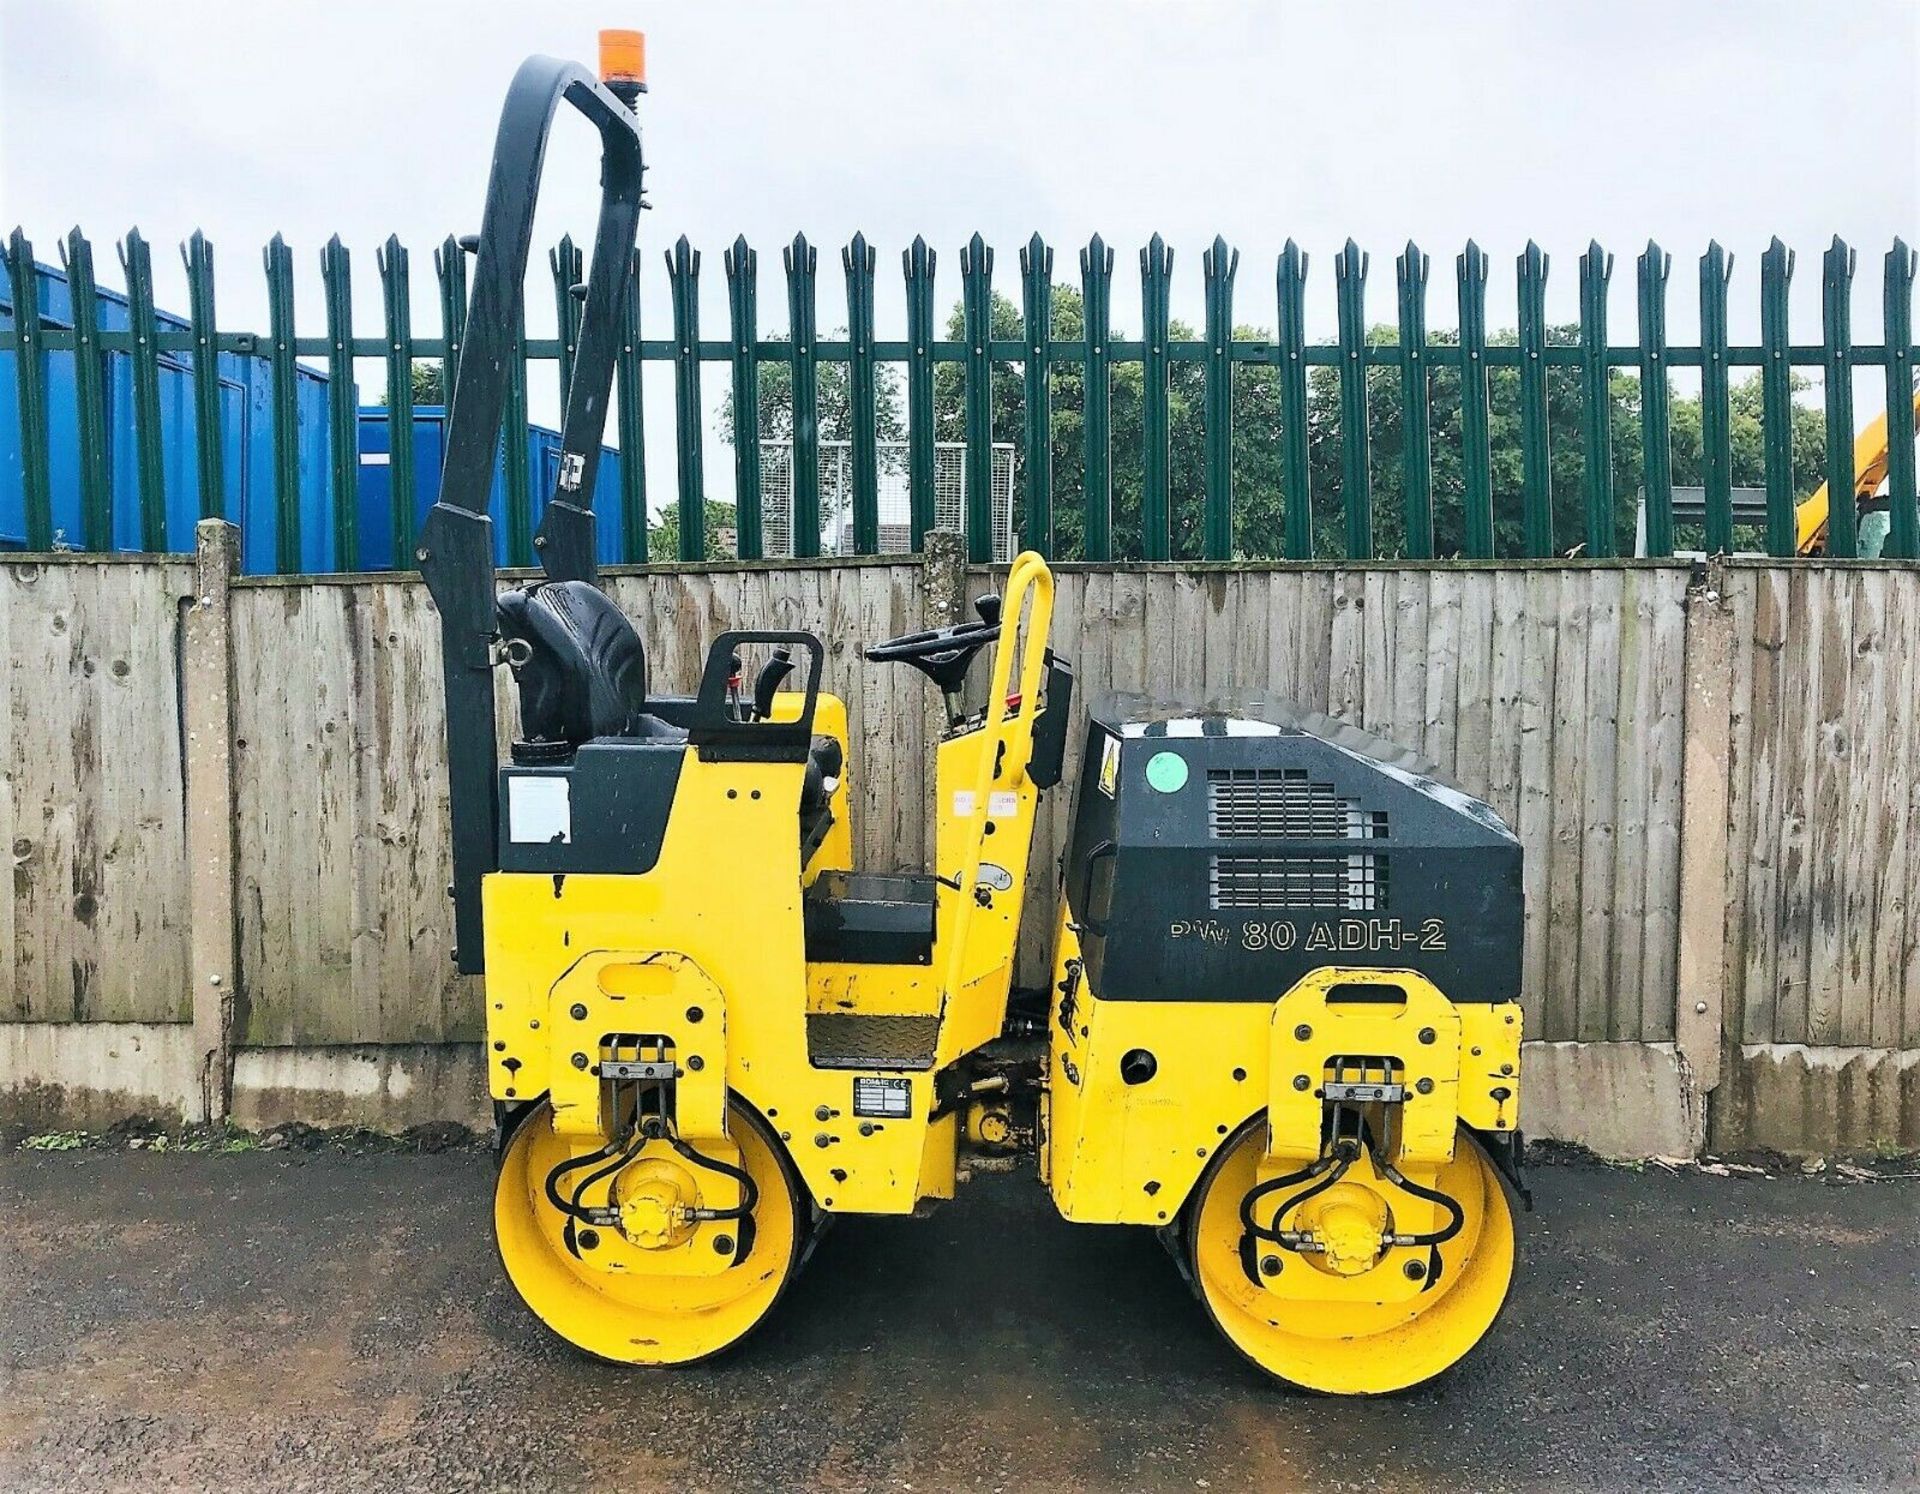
<point x="1030" y="579"/>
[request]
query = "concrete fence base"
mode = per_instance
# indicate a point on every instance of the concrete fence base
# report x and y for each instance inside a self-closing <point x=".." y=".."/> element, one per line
<point x="1620" y="1100"/>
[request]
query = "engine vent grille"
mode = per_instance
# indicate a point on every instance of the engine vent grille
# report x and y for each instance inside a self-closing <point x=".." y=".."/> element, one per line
<point x="1284" y="804"/>
<point x="1356" y="883"/>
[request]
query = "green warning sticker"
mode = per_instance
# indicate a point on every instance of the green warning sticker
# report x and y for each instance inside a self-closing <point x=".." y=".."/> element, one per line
<point x="1167" y="772"/>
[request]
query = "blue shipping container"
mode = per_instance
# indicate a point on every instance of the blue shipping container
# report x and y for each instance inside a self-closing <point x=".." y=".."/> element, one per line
<point x="429" y="450"/>
<point x="246" y="424"/>
<point x="246" y="427"/>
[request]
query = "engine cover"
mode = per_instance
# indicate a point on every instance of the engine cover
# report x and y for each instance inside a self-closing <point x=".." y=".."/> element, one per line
<point x="1221" y="854"/>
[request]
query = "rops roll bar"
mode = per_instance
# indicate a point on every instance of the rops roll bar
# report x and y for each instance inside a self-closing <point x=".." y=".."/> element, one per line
<point x="456" y="543"/>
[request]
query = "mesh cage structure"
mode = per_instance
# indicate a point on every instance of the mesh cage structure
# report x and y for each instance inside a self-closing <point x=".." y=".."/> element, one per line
<point x="895" y="503"/>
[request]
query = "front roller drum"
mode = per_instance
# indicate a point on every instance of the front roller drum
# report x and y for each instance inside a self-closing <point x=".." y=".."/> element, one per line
<point x="634" y="1317"/>
<point x="1347" y="1347"/>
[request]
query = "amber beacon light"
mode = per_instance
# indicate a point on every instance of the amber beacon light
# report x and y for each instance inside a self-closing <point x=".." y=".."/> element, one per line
<point x="623" y="62"/>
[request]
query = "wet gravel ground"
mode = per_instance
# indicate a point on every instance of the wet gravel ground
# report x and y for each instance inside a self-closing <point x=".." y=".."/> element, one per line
<point x="334" y="1320"/>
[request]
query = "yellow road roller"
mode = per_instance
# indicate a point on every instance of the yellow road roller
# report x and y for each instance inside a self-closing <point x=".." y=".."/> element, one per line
<point x="1281" y="1027"/>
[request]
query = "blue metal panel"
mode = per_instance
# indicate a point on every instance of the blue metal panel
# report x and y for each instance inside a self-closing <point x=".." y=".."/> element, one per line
<point x="13" y="481"/>
<point x="429" y="445"/>
<point x="245" y="385"/>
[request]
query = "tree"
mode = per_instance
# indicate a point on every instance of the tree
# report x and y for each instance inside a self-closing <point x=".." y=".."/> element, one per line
<point x="1566" y="402"/>
<point x="1258" y="496"/>
<point x="429" y="383"/>
<point x="1259" y="499"/>
<point x="1186" y="386"/>
<point x="833" y="401"/>
<point x="663" y="534"/>
<point x="833" y="422"/>
<point x="1746" y="432"/>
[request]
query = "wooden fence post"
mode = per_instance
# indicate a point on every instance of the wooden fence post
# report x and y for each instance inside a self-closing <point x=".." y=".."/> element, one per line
<point x="1701" y="975"/>
<point x="206" y="677"/>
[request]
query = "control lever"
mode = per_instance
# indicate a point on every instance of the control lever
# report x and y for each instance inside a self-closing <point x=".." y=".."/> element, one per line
<point x="767" y="683"/>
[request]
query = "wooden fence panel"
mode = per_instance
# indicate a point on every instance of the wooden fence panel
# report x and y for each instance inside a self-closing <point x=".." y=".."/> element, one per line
<point x="341" y="791"/>
<point x="1553" y="692"/>
<point x="93" y="916"/>
<point x="1557" y="692"/>
<point x="1823" y="924"/>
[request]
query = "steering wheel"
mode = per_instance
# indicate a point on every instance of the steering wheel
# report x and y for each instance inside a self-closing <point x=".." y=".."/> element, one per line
<point x="943" y="655"/>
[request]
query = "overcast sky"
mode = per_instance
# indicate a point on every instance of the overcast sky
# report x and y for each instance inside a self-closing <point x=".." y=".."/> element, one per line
<point x="1678" y="119"/>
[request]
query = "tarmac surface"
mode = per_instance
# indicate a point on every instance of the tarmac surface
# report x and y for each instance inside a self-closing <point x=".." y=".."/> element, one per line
<point x="336" y="1320"/>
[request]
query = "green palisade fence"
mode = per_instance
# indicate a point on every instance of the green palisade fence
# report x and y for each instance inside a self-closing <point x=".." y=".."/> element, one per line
<point x="1221" y="442"/>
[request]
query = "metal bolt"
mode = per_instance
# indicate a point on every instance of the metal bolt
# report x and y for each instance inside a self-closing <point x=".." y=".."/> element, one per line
<point x="213" y="980"/>
<point x="579" y="1060"/>
<point x="1302" y="1082"/>
<point x="578" y="1011"/>
<point x="1302" y="1033"/>
<point x="1425" y="1086"/>
<point x="822" y="1113"/>
<point x="821" y="1139"/>
<point x="723" y="1244"/>
<point x="1426" y="1034"/>
<point x="1700" y="1007"/>
<point x="1506" y="1068"/>
<point x="696" y="1063"/>
<point x="694" y="1014"/>
<point x="1415" y="1270"/>
<point x="1270" y="1265"/>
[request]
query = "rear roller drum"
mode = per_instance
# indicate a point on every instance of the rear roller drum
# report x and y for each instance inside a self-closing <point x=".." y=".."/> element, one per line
<point x="1347" y="1347"/>
<point x="638" y="1316"/>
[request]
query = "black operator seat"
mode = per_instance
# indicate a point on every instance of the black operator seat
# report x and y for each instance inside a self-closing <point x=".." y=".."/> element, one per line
<point x="582" y="673"/>
<point x="579" y="664"/>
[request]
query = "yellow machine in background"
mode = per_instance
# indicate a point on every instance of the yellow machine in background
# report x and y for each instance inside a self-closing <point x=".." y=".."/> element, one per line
<point x="1282" y="1026"/>
<point x="1870" y="451"/>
